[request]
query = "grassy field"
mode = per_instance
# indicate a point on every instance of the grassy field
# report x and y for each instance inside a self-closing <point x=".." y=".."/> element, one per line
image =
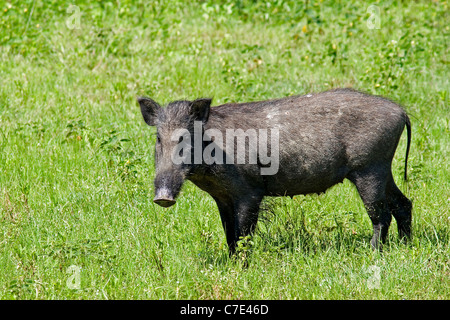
<point x="77" y="219"/>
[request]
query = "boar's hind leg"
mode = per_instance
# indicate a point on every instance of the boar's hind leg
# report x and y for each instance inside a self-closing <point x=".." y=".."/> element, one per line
<point x="400" y="207"/>
<point x="239" y="217"/>
<point x="371" y="185"/>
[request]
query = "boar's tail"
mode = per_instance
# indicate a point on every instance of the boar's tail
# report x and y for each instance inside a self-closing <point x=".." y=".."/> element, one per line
<point x="408" y="130"/>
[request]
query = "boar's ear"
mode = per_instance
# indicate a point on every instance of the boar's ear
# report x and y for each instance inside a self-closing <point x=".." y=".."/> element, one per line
<point x="200" y="109"/>
<point x="149" y="109"/>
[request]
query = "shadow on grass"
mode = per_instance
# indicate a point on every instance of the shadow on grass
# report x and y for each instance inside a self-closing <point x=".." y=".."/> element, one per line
<point x="433" y="235"/>
<point x="291" y="233"/>
<point x="209" y="256"/>
<point x="287" y="227"/>
<point x="279" y="232"/>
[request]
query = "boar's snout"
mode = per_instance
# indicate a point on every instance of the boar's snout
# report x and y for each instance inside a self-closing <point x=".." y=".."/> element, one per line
<point x="164" y="198"/>
<point x="167" y="187"/>
<point x="164" y="202"/>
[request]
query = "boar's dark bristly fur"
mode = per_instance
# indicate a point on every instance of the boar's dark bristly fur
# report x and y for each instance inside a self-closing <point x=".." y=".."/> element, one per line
<point x="324" y="138"/>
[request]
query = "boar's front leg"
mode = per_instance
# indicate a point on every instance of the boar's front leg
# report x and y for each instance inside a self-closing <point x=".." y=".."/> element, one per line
<point x="239" y="216"/>
<point x="226" y="214"/>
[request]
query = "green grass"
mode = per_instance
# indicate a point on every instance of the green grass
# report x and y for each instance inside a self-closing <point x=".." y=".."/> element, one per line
<point x="76" y="159"/>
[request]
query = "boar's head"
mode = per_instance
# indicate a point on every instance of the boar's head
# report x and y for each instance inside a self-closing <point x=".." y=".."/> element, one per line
<point x="173" y="149"/>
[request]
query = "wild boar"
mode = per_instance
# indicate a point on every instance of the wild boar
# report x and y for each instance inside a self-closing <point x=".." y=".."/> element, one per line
<point x="316" y="141"/>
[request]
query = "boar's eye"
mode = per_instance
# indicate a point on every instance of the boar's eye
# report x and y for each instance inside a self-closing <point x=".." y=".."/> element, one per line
<point x="158" y="138"/>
